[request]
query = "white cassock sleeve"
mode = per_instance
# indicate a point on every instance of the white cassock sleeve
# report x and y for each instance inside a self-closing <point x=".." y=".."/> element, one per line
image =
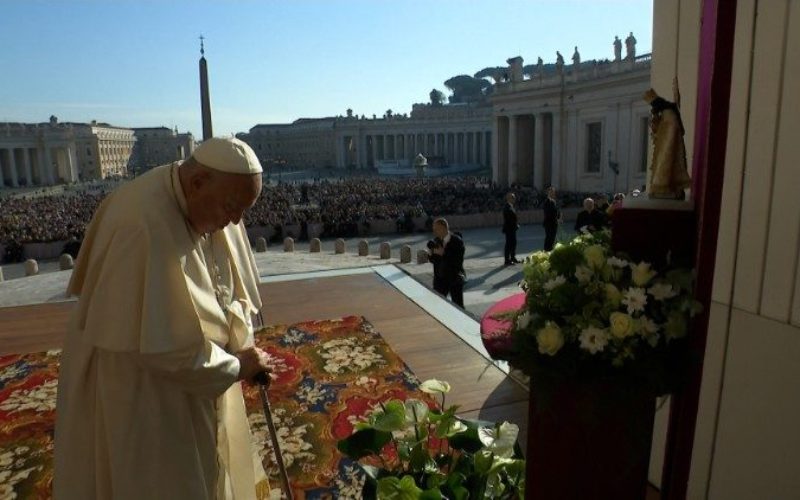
<point x="206" y="371"/>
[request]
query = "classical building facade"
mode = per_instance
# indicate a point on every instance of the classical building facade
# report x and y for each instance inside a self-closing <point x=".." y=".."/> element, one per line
<point x="580" y="127"/>
<point x="158" y="146"/>
<point x="305" y="143"/>
<point x="453" y="134"/>
<point x="50" y="153"/>
<point x="447" y="134"/>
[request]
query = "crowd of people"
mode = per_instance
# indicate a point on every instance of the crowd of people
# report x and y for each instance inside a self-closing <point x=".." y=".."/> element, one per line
<point x="342" y="206"/>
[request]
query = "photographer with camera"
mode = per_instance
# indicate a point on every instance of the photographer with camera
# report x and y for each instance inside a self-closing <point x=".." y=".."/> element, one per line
<point x="447" y="256"/>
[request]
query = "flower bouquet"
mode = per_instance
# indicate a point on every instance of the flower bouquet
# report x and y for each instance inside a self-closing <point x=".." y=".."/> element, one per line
<point x="600" y="336"/>
<point x="592" y="313"/>
<point x="411" y="450"/>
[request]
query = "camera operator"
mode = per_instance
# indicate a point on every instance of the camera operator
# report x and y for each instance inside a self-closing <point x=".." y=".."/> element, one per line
<point x="447" y="256"/>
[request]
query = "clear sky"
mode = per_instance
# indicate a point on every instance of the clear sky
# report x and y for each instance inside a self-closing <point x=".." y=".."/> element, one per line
<point x="134" y="63"/>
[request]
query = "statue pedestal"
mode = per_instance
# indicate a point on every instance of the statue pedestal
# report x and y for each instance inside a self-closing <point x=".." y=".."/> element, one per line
<point x="653" y="230"/>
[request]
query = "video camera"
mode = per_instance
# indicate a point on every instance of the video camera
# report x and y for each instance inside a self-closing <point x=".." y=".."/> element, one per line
<point x="434" y="243"/>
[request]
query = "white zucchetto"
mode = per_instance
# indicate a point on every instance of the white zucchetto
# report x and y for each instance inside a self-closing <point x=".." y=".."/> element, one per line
<point x="227" y="154"/>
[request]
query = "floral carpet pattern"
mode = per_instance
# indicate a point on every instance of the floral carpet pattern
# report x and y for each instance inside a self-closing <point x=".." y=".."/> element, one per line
<point x="327" y="376"/>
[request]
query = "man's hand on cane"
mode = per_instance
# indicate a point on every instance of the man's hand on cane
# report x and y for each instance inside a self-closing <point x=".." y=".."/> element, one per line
<point x="254" y="367"/>
<point x="253" y="361"/>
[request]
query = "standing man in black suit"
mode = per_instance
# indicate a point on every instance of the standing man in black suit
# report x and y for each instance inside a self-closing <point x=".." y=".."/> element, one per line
<point x="510" y="227"/>
<point x="447" y="256"/>
<point x="552" y="218"/>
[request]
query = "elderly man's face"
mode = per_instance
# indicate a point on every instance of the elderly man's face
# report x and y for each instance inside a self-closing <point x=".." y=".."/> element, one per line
<point x="588" y="205"/>
<point x="440" y="231"/>
<point x="219" y="199"/>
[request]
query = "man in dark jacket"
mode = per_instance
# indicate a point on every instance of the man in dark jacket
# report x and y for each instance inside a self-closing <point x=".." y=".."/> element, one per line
<point x="510" y="227"/>
<point x="552" y="218"/>
<point x="590" y="219"/>
<point x="447" y="257"/>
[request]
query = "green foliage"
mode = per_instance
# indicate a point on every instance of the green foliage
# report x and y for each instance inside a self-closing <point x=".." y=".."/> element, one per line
<point x="466" y="88"/>
<point x="439" y="455"/>
<point x="364" y="442"/>
<point x="437" y="97"/>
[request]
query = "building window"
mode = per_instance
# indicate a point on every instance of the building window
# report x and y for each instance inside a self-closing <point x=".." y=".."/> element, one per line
<point x="645" y="143"/>
<point x="594" y="146"/>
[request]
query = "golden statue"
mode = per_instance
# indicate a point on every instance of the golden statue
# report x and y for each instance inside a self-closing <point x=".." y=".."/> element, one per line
<point x="668" y="172"/>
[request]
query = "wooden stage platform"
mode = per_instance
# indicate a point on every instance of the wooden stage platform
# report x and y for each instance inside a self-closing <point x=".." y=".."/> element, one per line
<point x="429" y="348"/>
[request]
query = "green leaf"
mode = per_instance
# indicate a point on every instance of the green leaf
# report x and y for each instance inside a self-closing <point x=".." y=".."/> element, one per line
<point x="416" y="411"/>
<point x="404" y="450"/>
<point x="483" y="461"/>
<point x="433" y="386"/>
<point x="363" y="443"/>
<point x="449" y="426"/>
<point x="435" y="480"/>
<point x="421" y="461"/>
<point x="454" y="487"/>
<point x="431" y="494"/>
<point x="392" y="418"/>
<point x="400" y="489"/>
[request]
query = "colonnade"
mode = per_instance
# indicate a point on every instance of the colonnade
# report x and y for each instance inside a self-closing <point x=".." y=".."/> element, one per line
<point x="31" y="165"/>
<point x="445" y="147"/>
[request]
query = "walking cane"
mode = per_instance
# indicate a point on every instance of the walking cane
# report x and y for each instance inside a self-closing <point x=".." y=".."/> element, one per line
<point x="263" y="380"/>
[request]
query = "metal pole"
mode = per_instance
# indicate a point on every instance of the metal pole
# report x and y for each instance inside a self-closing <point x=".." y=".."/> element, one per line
<point x="263" y="380"/>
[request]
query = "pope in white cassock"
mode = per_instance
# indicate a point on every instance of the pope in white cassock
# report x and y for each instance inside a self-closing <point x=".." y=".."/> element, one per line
<point x="149" y="400"/>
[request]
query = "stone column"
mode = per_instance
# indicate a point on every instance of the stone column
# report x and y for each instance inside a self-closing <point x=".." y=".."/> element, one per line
<point x="495" y="149"/>
<point x="2" y="175"/>
<point x="28" y="169"/>
<point x="475" y="151"/>
<point x="48" y="177"/>
<point x="513" y="167"/>
<point x="463" y="148"/>
<point x="72" y="161"/>
<point x="538" y="151"/>
<point x="436" y="144"/>
<point x="363" y="153"/>
<point x="13" y="164"/>
<point x="555" y="155"/>
<point x="40" y="165"/>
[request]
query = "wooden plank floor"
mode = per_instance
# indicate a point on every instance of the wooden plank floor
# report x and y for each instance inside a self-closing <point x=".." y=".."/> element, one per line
<point x="429" y="349"/>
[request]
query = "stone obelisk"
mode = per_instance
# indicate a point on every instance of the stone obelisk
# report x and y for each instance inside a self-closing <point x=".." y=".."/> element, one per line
<point x="205" y="96"/>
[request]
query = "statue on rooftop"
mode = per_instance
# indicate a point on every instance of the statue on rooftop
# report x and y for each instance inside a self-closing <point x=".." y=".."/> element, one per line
<point x="617" y="49"/>
<point x="630" y="47"/>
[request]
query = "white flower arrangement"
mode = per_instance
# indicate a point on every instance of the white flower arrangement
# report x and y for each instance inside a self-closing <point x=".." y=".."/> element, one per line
<point x="587" y="303"/>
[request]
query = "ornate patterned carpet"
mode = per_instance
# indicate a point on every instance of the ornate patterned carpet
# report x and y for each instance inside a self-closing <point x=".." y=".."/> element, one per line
<point x="330" y="374"/>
